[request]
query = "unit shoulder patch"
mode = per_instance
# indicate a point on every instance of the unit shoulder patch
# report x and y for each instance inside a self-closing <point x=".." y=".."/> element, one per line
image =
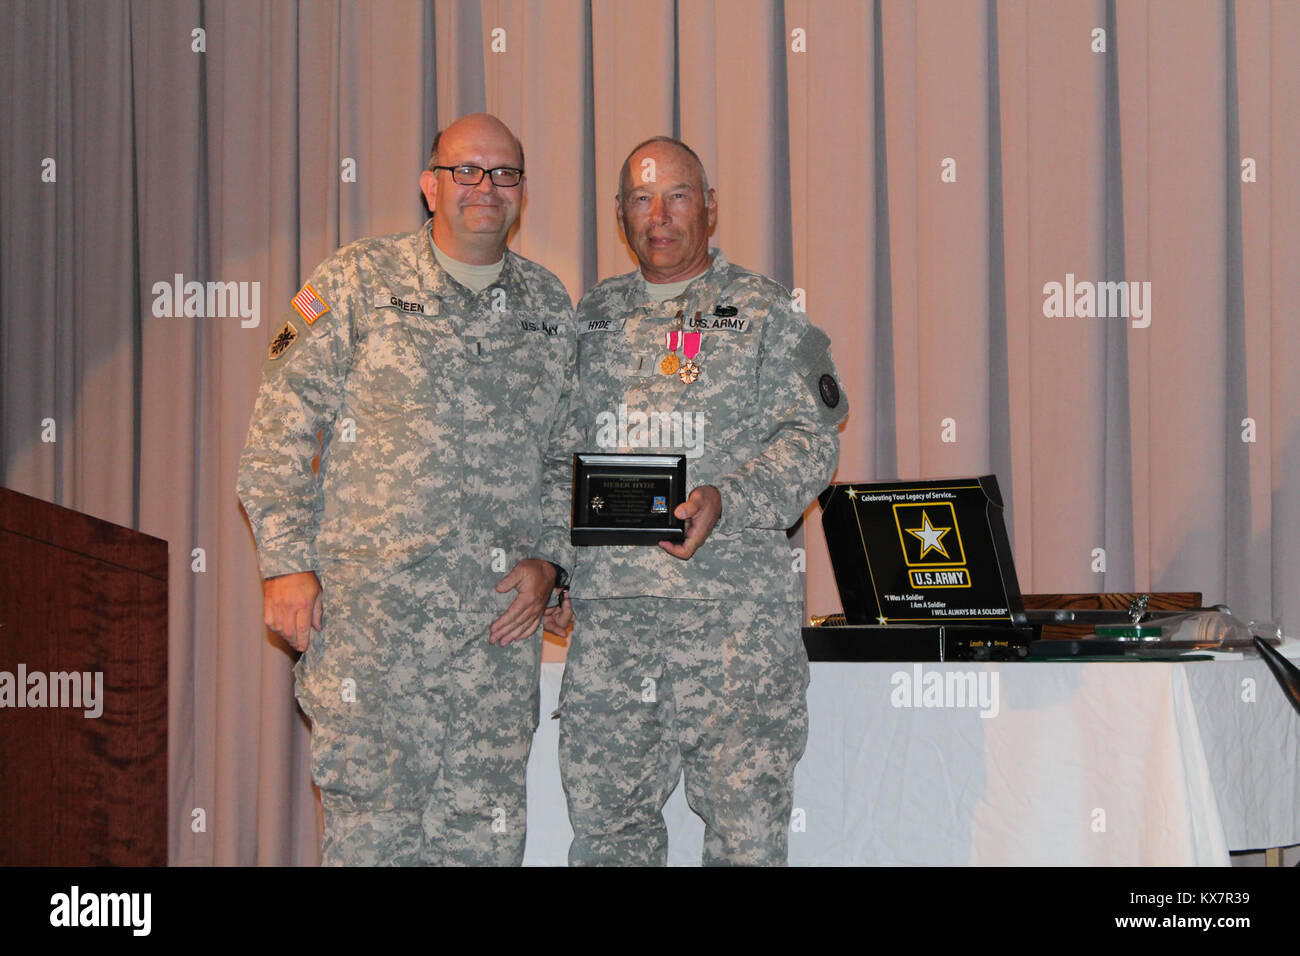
<point x="283" y="339"/>
<point x="830" y="390"/>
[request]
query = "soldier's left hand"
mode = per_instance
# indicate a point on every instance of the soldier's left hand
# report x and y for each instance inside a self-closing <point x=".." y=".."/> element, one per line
<point x="535" y="580"/>
<point x="558" y="617"/>
<point x="701" y="510"/>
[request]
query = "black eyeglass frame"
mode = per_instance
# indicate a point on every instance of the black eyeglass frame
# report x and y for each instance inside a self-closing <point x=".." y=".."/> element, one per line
<point x="492" y="173"/>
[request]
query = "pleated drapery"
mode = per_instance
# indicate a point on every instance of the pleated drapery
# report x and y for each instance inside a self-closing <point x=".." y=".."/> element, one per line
<point x="919" y="171"/>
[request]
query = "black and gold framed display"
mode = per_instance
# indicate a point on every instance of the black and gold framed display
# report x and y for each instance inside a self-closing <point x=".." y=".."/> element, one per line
<point x="627" y="498"/>
<point x="921" y="552"/>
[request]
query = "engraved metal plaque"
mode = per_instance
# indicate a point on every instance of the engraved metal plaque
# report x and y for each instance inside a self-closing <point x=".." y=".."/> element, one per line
<point x="627" y="499"/>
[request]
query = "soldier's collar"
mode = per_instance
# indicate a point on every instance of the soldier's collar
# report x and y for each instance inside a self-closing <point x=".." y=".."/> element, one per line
<point x="639" y="294"/>
<point x="431" y="274"/>
<point x="442" y="284"/>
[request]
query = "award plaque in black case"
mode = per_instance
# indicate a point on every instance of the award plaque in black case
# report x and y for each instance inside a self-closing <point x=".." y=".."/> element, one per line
<point x="627" y="499"/>
<point x="921" y="552"/>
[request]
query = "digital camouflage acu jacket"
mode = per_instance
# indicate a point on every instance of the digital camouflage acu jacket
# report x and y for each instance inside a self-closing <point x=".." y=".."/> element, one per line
<point x="763" y="419"/>
<point x="438" y="409"/>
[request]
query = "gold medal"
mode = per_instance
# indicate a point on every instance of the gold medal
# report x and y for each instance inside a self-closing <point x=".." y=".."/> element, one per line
<point x="672" y="338"/>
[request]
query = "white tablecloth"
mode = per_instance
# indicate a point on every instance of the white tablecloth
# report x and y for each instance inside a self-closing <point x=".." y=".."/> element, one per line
<point x="1076" y="764"/>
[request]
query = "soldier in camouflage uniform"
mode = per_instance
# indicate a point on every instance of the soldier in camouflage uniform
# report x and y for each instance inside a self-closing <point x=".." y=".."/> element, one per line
<point x="688" y="656"/>
<point x="437" y="365"/>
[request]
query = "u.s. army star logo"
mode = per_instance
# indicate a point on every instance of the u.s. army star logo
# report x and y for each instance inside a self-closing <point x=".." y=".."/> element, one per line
<point x="932" y="546"/>
<point x="283" y="339"/>
<point x="931" y="537"/>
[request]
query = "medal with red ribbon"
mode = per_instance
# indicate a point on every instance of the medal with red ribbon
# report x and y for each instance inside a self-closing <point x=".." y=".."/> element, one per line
<point x="670" y="364"/>
<point x="689" y="371"/>
<point x="672" y="340"/>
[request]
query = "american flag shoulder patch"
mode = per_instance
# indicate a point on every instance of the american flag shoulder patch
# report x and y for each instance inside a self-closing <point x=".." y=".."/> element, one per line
<point x="309" y="304"/>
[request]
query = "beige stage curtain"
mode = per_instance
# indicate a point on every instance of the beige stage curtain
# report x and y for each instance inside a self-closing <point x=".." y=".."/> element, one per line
<point x="918" y="169"/>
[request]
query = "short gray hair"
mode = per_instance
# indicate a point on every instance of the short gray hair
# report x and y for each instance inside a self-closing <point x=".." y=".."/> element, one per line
<point x="626" y="168"/>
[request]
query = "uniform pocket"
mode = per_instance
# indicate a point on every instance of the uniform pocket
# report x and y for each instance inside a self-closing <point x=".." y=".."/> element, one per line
<point x="340" y="687"/>
<point x="778" y="664"/>
<point x="395" y="371"/>
<point x="523" y="376"/>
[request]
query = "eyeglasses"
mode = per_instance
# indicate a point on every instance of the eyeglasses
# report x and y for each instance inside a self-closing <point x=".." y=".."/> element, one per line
<point x="473" y="175"/>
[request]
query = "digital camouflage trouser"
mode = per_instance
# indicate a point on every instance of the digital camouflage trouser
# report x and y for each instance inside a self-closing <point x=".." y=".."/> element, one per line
<point x="420" y="728"/>
<point x="653" y="687"/>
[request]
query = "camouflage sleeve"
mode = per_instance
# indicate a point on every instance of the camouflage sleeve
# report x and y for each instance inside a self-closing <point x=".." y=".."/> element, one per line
<point x="557" y="475"/>
<point x="802" y="403"/>
<point x="302" y="388"/>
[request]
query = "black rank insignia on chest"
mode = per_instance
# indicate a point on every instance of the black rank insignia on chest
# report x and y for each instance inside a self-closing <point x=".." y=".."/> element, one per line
<point x="283" y="339"/>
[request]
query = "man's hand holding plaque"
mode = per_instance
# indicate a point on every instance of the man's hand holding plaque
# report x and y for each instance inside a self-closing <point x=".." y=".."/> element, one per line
<point x="701" y="512"/>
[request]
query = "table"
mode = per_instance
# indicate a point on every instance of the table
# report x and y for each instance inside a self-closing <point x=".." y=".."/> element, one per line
<point x="1114" y="763"/>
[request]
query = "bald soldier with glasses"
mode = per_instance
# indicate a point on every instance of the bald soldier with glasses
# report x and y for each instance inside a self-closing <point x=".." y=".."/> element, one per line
<point x="436" y="366"/>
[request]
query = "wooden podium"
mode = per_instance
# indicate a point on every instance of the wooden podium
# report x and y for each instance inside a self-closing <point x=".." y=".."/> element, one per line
<point x="83" y="604"/>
